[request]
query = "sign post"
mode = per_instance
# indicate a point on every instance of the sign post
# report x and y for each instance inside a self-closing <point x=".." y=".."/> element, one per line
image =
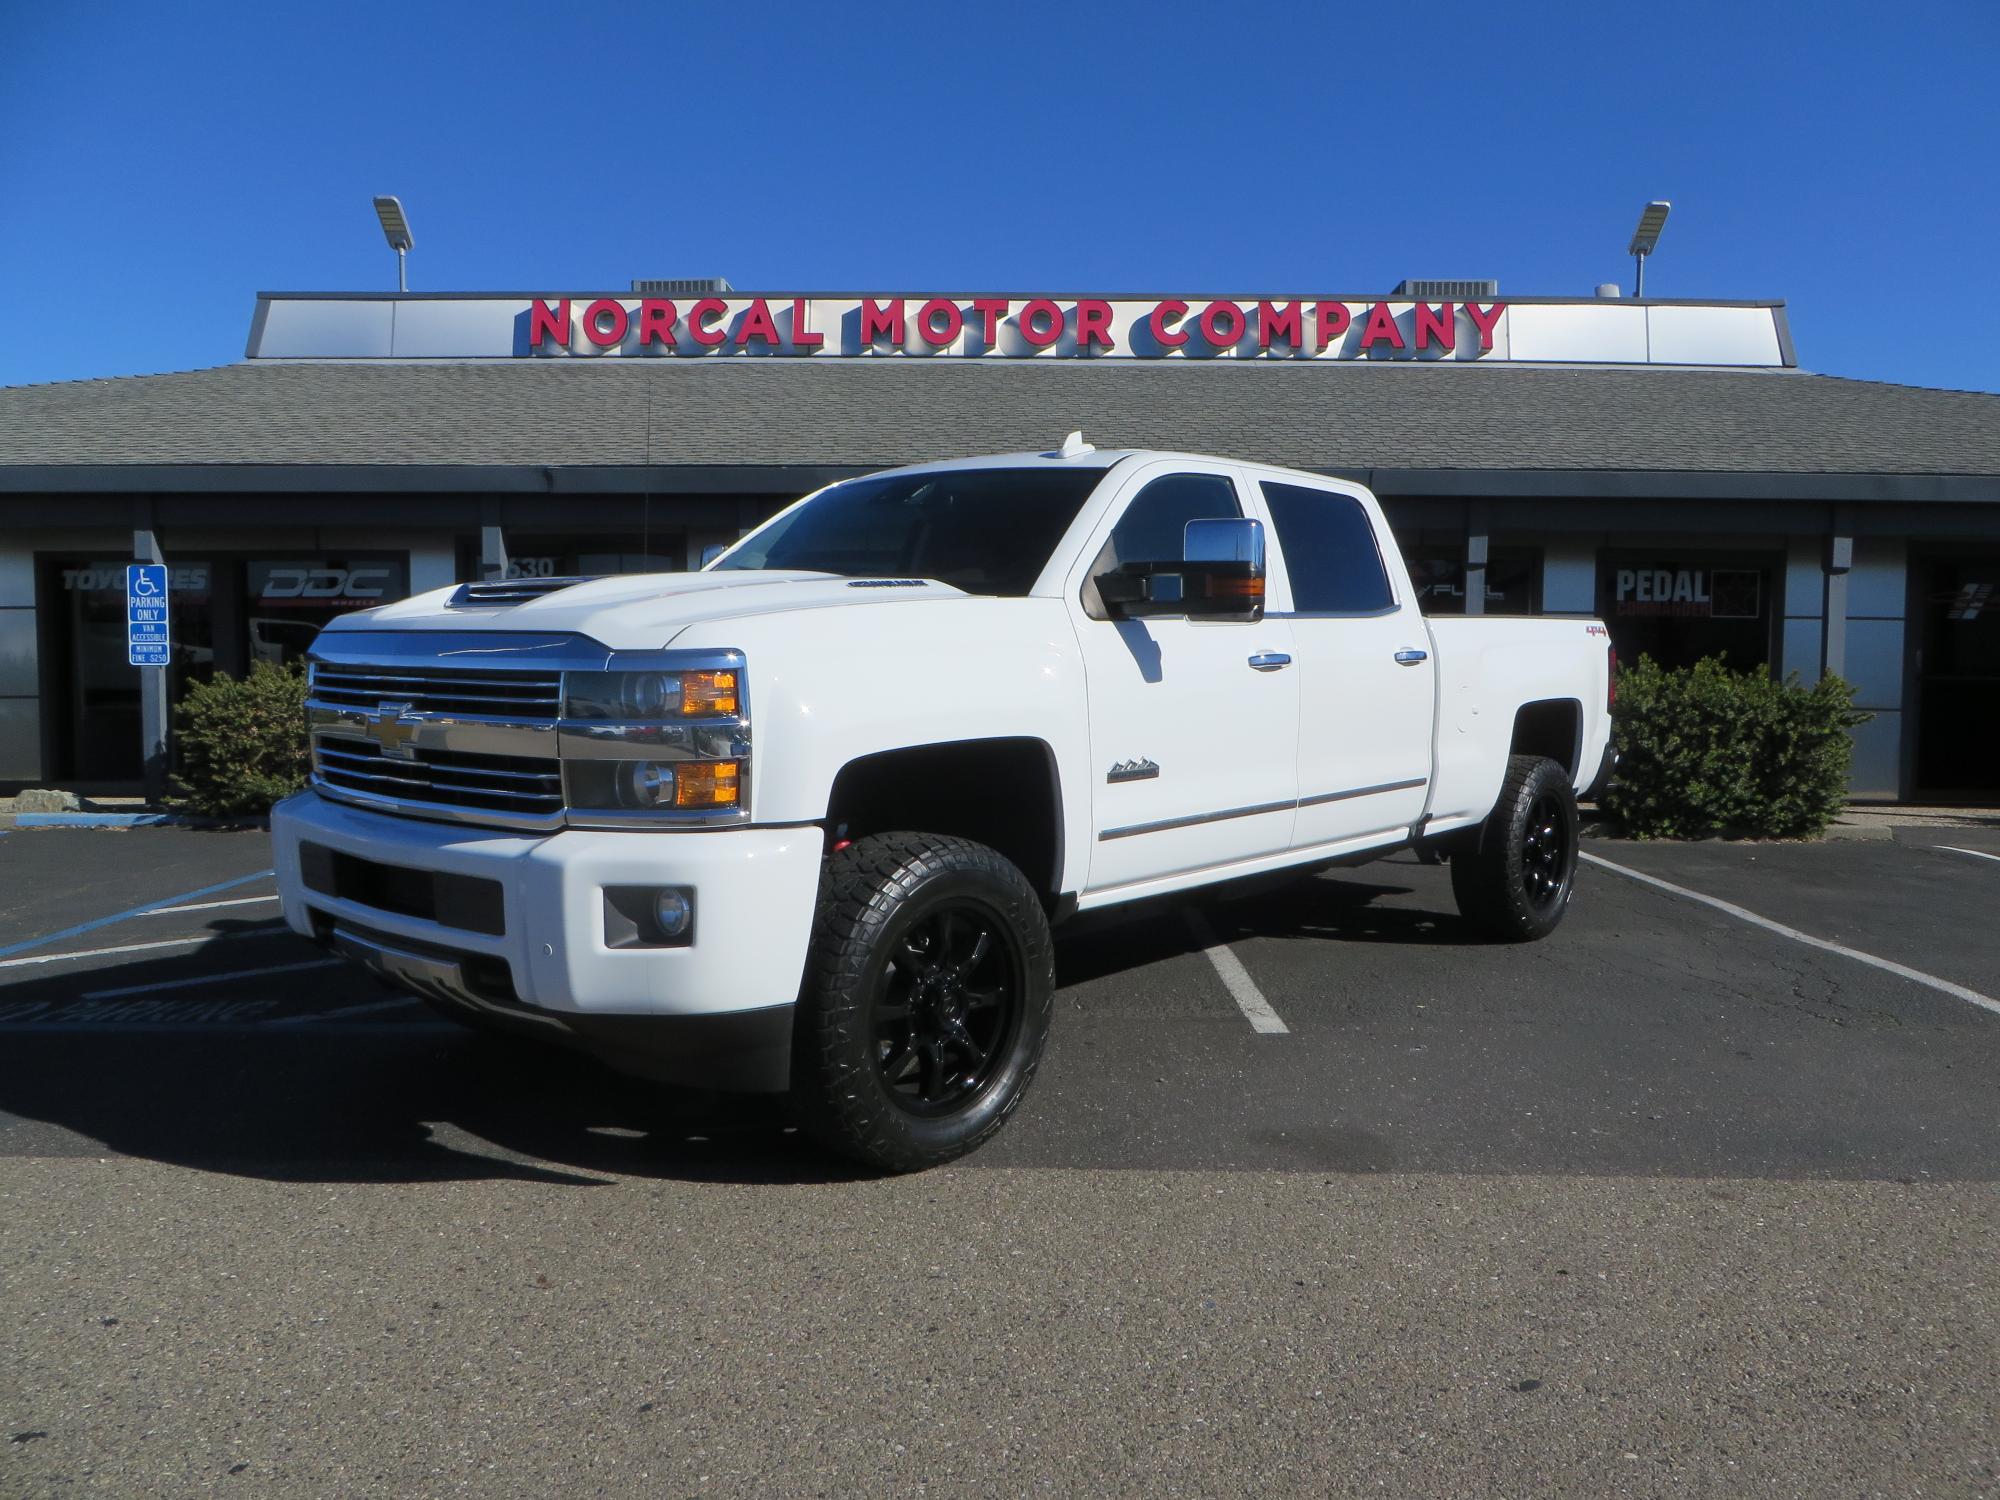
<point x="147" y="647"/>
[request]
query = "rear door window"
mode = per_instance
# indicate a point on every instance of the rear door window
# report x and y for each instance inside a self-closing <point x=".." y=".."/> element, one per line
<point x="1330" y="551"/>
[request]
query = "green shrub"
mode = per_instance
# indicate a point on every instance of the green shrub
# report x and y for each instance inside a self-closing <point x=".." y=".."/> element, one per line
<point x="1705" y="750"/>
<point x="240" y="744"/>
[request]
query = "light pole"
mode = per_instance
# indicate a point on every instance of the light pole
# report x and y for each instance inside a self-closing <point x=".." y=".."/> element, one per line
<point x="396" y="230"/>
<point x="1652" y="219"/>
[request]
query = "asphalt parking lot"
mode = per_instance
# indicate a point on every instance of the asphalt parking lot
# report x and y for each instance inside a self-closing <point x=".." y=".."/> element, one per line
<point x="1315" y="1194"/>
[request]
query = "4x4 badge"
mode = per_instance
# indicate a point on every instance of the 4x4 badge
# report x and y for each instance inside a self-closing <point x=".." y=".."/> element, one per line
<point x="1133" y="770"/>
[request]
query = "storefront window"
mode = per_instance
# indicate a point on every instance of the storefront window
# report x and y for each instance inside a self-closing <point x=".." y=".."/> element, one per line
<point x="1513" y="579"/>
<point x="91" y="690"/>
<point x="288" y="600"/>
<point x="584" y="555"/>
<point x="224" y="615"/>
<point x="1679" y="609"/>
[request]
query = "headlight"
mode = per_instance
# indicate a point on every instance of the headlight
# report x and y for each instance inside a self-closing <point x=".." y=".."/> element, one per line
<point x="650" y="695"/>
<point x="643" y="783"/>
<point x="663" y="744"/>
<point x="655" y="785"/>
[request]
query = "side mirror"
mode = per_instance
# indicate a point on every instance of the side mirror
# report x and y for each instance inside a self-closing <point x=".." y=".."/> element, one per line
<point x="1219" y="576"/>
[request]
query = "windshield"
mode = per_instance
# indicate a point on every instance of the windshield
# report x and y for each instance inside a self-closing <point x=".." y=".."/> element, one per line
<point x="987" y="531"/>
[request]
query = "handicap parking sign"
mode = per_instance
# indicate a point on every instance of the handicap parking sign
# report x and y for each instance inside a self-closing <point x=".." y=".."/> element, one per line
<point x="146" y="615"/>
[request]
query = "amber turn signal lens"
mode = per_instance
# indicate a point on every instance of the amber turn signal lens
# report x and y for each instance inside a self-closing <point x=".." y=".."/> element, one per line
<point x="708" y="693"/>
<point x="1235" y="588"/>
<point x="707" y="783"/>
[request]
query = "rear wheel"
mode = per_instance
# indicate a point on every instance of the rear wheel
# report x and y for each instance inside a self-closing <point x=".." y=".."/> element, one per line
<point x="1515" y="885"/>
<point x="927" y="1000"/>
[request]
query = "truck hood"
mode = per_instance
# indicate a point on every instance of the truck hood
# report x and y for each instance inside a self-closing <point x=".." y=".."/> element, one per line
<point x="643" y="611"/>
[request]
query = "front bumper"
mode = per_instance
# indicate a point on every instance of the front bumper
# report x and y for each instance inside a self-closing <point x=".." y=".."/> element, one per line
<point x="754" y="888"/>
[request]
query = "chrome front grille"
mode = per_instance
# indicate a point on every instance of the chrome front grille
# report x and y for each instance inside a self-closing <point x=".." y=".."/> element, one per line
<point x="523" y="787"/>
<point x="518" y="697"/>
<point x="470" y="727"/>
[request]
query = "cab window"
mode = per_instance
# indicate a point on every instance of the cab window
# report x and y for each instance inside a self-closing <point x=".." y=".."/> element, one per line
<point x="1330" y="551"/>
<point x="1154" y="526"/>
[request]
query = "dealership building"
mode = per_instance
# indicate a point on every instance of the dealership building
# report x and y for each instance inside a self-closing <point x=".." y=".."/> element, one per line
<point x="1665" y="465"/>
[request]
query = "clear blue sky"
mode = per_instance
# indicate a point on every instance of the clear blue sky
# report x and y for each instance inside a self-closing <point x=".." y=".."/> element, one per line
<point x="160" y="164"/>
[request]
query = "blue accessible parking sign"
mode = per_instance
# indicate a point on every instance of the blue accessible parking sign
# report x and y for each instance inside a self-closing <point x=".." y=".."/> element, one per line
<point x="146" y="615"/>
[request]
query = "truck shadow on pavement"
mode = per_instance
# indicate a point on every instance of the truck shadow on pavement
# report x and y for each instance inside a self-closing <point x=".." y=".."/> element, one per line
<point x="299" y="1094"/>
<point x="1341" y="909"/>
<point x="269" y="1080"/>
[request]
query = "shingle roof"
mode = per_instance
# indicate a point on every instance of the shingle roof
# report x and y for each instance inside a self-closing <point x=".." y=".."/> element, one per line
<point x="794" y="412"/>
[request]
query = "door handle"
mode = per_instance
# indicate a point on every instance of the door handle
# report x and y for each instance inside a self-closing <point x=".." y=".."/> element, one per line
<point x="1410" y="656"/>
<point x="1270" y="661"/>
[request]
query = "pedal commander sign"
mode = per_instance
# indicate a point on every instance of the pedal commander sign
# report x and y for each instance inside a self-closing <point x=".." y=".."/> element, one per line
<point x="1687" y="593"/>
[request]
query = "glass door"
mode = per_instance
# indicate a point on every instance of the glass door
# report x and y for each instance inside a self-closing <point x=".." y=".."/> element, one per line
<point x="1958" y="677"/>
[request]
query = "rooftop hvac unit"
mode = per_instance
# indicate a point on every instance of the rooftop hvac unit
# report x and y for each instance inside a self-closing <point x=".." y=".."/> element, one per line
<point x="685" y="286"/>
<point x="1454" y="291"/>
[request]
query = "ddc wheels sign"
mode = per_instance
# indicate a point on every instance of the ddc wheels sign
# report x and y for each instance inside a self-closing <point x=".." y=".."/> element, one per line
<point x="342" y="588"/>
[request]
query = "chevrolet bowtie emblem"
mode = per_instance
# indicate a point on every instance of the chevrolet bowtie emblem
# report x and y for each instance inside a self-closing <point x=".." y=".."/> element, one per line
<point x="394" y="728"/>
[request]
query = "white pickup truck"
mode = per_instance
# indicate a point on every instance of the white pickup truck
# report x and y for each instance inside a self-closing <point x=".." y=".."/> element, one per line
<point x="804" y="820"/>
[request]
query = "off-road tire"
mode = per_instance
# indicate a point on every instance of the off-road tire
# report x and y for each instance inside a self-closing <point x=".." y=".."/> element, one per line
<point x="1516" y="883"/>
<point x="874" y="895"/>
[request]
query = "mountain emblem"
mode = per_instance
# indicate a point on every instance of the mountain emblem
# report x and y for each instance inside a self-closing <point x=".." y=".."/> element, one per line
<point x="1133" y="770"/>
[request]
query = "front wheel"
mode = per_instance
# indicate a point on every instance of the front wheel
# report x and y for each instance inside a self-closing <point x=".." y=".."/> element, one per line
<point x="927" y="1000"/>
<point x="1515" y="885"/>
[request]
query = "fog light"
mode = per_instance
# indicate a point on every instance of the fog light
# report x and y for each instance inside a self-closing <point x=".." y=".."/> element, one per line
<point x="673" y="912"/>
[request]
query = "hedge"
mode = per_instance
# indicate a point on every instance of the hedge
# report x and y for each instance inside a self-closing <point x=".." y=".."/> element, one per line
<point x="1704" y="750"/>
<point x="240" y="744"/>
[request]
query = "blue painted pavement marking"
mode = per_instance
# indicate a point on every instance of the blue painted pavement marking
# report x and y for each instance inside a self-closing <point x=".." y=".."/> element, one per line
<point x="137" y="911"/>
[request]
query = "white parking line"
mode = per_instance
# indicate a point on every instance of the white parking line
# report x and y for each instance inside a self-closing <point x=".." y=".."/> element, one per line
<point x="1957" y="991"/>
<point x="353" y="1010"/>
<point x="181" y="984"/>
<point x="161" y="911"/>
<point x="1975" y="853"/>
<point x="1249" y="999"/>
<point x="186" y="942"/>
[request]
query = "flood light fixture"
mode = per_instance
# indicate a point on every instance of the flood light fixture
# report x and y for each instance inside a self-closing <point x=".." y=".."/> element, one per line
<point x="1652" y="219"/>
<point x="396" y="230"/>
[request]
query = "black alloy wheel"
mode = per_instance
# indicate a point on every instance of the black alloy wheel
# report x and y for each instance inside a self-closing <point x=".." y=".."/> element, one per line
<point x="926" y="1003"/>
<point x="1545" y="852"/>
<point x="1514" y="884"/>
<point x="945" y="1006"/>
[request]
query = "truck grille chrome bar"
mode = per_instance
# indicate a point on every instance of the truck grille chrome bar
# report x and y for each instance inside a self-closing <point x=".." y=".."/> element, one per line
<point x="522" y="697"/>
<point x="517" y="785"/>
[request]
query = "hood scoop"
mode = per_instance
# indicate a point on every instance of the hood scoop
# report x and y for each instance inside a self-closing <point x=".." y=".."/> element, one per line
<point x="501" y="593"/>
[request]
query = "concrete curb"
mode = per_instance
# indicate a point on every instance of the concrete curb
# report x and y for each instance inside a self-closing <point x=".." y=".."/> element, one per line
<point x="124" y="820"/>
